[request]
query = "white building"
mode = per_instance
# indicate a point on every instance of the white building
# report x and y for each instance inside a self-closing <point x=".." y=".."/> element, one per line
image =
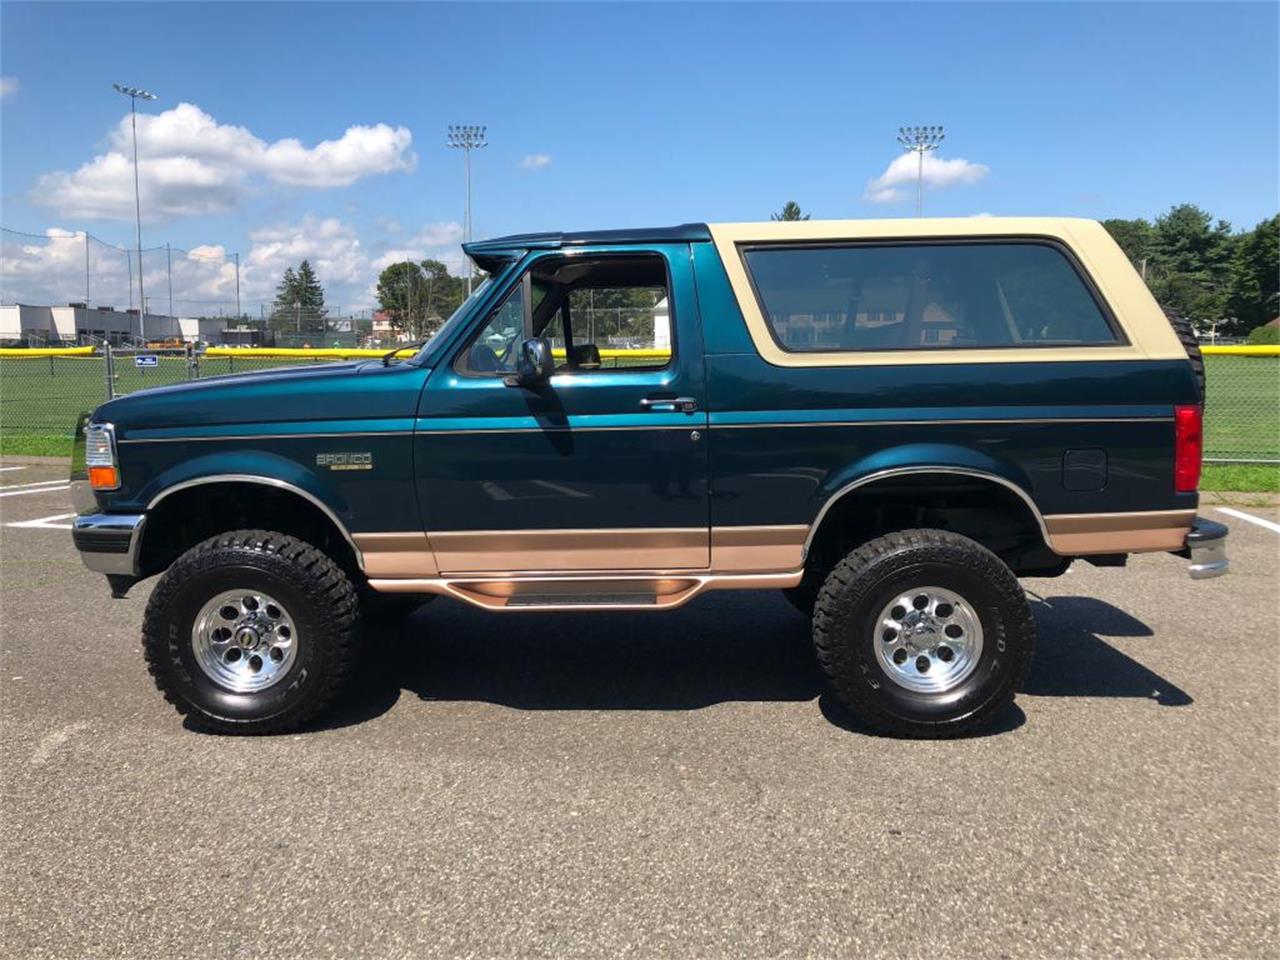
<point x="74" y="322"/>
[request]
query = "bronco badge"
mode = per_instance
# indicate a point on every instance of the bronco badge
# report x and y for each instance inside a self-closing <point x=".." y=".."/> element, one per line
<point x="345" y="461"/>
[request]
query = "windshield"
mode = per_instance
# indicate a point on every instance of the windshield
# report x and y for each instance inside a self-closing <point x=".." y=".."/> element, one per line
<point x="455" y="318"/>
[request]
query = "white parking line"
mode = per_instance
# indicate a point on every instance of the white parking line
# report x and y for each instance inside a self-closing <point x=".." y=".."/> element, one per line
<point x="45" y="523"/>
<point x="1241" y="515"/>
<point x="20" y="492"/>
<point x="33" y="483"/>
<point x="7" y="469"/>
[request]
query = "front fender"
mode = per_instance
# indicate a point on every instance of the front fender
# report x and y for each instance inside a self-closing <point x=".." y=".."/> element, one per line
<point x="244" y="466"/>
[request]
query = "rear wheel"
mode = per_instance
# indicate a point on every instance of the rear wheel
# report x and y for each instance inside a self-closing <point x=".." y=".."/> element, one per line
<point x="923" y="633"/>
<point x="251" y="632"/>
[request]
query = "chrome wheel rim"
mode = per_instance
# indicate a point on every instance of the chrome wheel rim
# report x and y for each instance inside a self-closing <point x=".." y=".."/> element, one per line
<point x="244" y="640"/>
<point x="928" y="639"/>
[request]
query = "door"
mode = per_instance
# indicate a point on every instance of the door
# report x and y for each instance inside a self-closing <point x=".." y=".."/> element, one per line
<point x="602" y="469"/>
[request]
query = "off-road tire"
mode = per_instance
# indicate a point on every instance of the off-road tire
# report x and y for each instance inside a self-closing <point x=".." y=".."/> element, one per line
<point x="1187" y="335"/>
<point x="324" y="606"/>
<point x="845" y="631"/>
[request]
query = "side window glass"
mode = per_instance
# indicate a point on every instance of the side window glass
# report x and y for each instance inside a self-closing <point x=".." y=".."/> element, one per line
<point x="628" y="326"/>
<point x="599" y="314"/>
<point x="493" y="349"/>
<point x="924" y="296"/>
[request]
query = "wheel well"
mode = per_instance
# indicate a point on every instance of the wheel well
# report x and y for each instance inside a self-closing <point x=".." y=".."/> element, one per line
<point x="186" y="517"/>
<point x="983" y="510"/>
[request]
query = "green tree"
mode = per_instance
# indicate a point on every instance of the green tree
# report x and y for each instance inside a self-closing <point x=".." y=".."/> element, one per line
<point x="299" y="303"/>
<point x="1254" y="297"/>
<point x="310" y="292"/>
<point x="1191" y="257"/>
<point x="1134" y="237"/>
<point x="790" y="211"/>
<point x="418" y="296"/>
<point x="1267" y="335"/>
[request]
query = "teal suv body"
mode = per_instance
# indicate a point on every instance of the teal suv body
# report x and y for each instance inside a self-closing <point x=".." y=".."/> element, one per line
<point x="890" y="421"/>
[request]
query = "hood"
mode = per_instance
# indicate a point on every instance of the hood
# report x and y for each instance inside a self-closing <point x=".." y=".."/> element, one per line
<point x="362" y="389"/>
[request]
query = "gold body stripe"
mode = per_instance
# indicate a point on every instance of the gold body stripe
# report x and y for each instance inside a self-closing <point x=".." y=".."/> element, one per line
<point x="1075" y="534"/>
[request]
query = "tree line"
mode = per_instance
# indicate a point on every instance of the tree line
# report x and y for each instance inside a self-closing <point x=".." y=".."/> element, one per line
<point x="1223" y="280"/>
<point x="417" y="296"/>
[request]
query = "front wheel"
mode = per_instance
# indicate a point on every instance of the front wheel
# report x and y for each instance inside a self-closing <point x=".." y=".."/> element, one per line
<point x="923" y="633"/>
<point x="251" y="632"/>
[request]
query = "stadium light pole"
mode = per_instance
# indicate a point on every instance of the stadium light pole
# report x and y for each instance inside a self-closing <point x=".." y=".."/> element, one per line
<point x="920" y="140"/>
<point x="466" y="138"/>
<point x="134" y="94"/>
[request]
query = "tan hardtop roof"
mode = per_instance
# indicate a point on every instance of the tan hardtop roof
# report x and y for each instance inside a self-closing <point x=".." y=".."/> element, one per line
<point x="904" y="227"/>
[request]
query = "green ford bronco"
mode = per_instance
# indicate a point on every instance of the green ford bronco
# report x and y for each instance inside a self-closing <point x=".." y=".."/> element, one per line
<point x="890" y="421"/>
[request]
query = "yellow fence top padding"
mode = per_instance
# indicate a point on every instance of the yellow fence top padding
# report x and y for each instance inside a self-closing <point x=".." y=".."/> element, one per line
<point x="340" y="353"/>
<point x="352" y="353"/>
<point x="1241" y="350"/>
<point x="313" y="353"/>
<point x="46" y="351"/>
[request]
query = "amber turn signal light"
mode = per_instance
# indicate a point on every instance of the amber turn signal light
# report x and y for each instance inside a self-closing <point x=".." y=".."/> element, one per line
<point x="104" y="478"/>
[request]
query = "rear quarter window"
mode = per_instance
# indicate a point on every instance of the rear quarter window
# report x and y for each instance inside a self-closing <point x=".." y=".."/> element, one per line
<point x="925" y="296"/>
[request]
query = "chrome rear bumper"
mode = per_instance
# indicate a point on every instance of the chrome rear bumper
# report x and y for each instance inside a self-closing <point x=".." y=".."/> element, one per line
<point x="1206" y="548"/>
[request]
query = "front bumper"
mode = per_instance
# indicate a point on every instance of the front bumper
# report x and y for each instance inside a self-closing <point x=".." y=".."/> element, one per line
<point x="1206" y="548"/>
<point x="109" y="542"/>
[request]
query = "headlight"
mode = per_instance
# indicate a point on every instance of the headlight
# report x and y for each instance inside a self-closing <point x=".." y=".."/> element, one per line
<point x="100" y="456"/>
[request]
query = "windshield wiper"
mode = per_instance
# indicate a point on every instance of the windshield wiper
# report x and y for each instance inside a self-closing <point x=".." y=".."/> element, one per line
<point x="390" y="355"/>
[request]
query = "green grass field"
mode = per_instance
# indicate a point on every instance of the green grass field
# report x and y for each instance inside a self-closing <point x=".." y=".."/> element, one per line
<point x="40" y="398"/>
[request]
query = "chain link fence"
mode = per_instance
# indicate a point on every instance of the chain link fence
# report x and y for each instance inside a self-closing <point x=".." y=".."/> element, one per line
<point x="41" y="395"/>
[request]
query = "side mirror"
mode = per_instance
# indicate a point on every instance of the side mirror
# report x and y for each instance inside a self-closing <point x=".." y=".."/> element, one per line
<point x="534" y="365"/>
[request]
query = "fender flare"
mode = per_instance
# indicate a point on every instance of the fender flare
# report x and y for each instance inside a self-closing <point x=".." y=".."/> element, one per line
<point x="207" y="470"/>
<point x="925" y="458"/>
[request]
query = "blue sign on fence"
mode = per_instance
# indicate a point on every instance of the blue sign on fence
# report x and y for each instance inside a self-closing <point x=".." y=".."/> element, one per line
<point x="146" y="360"/>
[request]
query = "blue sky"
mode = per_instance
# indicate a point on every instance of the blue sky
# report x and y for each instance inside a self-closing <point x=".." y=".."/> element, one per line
<point x="603" y="115"/>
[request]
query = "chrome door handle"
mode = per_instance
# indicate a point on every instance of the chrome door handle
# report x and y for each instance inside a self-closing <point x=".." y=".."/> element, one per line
<point x="681" y="404"/>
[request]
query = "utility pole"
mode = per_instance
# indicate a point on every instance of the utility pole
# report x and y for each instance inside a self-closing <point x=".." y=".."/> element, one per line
<point x="168" y="265"/>
<point x="133" y="93"/>
<point x="86" y="271"/>
<point x="237" y="256"/>
<point x="467" y="138"/>
<point x="409" y="297"/>
<point x="920" y="140"/>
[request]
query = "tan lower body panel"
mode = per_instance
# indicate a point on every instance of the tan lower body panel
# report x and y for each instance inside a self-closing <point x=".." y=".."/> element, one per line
<point x="396" y="554"/>
<point x="646" y="568"/>
<point x="672" y="548"/>
<point x="1072" y="534"/>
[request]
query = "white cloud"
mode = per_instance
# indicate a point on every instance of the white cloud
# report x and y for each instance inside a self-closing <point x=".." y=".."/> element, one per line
<point x="536" y="161"/>
<point x="52" y="271"/>
<point x="191" y="164"/>
<point x="901" y="173"/>
<point x="8" y="86"/>
<point x="43" y="272"/>
<point x="435" y="241"/>
<point x="332" y="247"/>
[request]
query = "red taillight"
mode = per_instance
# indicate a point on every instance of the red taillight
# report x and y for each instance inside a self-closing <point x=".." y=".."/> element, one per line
<point x="1188" y="447"/>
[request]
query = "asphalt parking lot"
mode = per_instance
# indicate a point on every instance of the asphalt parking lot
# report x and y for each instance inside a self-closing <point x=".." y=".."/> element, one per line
<point x="647" y="785"/>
